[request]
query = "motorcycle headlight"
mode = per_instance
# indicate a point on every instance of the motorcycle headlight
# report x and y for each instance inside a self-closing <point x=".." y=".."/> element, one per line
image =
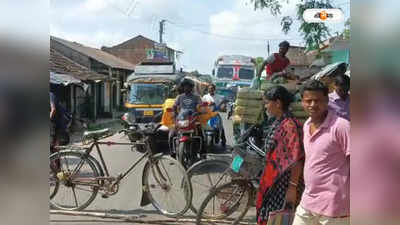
<point x="183" y="123"/>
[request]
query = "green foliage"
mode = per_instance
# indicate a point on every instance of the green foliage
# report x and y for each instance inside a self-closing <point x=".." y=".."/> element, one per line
<point x="259" y="62"/>
<point x="346" y="31"/>
<point x="312" y="33"/>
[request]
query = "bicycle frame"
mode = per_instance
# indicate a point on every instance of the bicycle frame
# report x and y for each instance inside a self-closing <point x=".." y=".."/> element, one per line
<point x="96" y="144"/>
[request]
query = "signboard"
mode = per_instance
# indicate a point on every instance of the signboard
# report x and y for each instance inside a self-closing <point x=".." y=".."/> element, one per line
<point x="154" y="69"/>
<point x="234" y="60"/>
<point x="149" y="53"/>
<point x="156" y="54"/>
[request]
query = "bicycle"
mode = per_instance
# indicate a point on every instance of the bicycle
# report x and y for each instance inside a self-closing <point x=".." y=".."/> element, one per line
<point x="204" y="176"/>
<point x="237" y="196"/>
<point x="80" y="171"/>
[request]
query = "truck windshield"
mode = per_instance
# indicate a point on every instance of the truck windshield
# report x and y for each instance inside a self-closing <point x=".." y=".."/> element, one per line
<point x="148" y="93"/>
<point x="225" y="72"/>
<point x="246" y="73"/>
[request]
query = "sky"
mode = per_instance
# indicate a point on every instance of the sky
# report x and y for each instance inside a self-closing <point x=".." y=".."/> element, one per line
<point x="203" y="30"/>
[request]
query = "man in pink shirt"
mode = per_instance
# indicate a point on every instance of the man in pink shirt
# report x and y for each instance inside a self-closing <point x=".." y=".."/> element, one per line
<point x="339" y="100"/>
<point x="326" y="198"/>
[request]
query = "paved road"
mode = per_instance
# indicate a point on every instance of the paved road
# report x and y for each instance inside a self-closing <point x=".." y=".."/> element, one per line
<point x="127" y="200"/>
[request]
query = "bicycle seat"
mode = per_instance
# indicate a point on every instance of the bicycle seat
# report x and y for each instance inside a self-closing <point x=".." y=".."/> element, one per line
<point x="96" y="133"/>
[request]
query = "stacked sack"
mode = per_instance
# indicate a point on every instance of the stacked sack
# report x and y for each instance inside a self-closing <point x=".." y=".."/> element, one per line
<point x="249" y="106"/>
<point x="291" y="86"/>
<point x="297" y="110"/>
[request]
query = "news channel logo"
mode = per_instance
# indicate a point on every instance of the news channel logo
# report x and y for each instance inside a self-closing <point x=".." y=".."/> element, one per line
<point x="323" y="16"/>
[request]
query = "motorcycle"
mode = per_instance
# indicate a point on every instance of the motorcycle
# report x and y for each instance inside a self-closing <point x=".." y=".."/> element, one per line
<point x="188" y="142"/>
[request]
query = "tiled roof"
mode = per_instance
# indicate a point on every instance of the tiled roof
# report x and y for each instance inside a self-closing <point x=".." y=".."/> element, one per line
<point x="297" y="56"/>
<point x="134" y="49"/>
<point x="63" y="65"/>
<point x="97" y="54"/>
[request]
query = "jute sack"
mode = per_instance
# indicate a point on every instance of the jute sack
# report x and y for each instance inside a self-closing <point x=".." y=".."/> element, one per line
<point x="243" y="110"/>
<point x="291" y="86"/>
<point x="300" y="114"/>
<point x="267" y="85"/>
<point x="245" y="119"/>
<point x="296" y="106"/>
<point x="248" y="102"/>
<point x="247" y="93"/>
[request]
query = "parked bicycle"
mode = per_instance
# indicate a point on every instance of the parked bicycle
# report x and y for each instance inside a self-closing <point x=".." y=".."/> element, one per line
<point x="234" y="198"/>
<point x="164" y="180"/>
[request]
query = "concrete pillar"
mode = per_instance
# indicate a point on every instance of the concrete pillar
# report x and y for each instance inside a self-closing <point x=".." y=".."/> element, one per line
<point x="107" y="96"/>
<point x="72" y="97"/>
<point x="94" y="91"/>
<point x="118" y="97"/>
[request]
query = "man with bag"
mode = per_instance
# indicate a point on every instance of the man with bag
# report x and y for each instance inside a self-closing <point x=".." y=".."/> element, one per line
<point x="326" y="197"/>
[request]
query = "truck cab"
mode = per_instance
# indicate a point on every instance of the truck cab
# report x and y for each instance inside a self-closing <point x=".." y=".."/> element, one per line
<point x="231" y="69"/>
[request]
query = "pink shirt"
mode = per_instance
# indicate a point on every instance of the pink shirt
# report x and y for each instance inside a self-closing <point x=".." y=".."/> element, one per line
<point x="342" y="107"/>
<point x="327" y="167"/>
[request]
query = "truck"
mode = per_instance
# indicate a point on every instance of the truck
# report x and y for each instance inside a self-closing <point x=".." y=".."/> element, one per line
<point x="238" y="70"/>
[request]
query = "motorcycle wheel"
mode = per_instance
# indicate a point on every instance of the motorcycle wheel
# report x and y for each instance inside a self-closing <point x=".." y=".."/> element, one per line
<point x="210" y="141"/>
<point x="182" y="154"/>
<point x="217" y="138"/>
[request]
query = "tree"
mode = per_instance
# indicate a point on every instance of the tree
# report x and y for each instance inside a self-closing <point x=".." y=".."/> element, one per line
<point x="312" y="33"/>
<point x="259" y="61"/>
<point x="346" y="31"/>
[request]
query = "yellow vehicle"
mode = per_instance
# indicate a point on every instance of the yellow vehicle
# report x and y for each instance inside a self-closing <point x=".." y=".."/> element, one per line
<point x="149" y="86"/>
<point x="167" y="116"/>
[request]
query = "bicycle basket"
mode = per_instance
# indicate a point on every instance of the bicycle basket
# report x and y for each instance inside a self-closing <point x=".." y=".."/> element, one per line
<point x="246" y="163"/>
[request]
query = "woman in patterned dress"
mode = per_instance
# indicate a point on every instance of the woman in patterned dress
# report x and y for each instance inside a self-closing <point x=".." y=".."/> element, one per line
<point x="281" y="183"/>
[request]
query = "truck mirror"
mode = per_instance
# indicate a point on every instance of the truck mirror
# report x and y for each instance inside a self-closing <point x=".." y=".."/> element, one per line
<point x="213" y="72"/>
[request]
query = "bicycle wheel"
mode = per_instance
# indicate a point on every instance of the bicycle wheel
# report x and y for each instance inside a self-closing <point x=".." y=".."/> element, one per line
<point x="53" y="181"/>
<point x="231" y="200"/>
<point x="167" y="186"/>
<point x="75" y="179"/>
<point x="203" y="176"/>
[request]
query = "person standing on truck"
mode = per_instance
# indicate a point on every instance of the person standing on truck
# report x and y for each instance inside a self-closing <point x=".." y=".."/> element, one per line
<point x="275" y="65"/>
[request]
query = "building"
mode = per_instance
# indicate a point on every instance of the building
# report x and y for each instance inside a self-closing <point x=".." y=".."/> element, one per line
<point x="105" y="93"/>
<point x="300" y="62"/>
<point x="140" y="49"/>
<point x="332" y="50"/>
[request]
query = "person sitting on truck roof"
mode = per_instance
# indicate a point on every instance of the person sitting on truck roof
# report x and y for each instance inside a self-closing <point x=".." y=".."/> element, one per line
<point x="274" y="65"/>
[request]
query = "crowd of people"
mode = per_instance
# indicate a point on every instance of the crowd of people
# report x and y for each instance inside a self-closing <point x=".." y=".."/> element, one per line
<point x="307" y="165"/>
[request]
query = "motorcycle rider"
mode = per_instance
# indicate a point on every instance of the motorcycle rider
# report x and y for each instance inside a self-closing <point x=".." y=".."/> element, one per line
<point x="187" y="101"/>
<point x="210" y="99"/>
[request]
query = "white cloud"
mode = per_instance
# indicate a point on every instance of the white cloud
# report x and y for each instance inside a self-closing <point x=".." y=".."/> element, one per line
<point x="224" y="23"/>
<point x="95" y="5"/>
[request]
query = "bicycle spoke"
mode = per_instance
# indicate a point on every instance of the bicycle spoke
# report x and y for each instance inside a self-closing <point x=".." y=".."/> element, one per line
<point x="76" y="200"/>
<point x="66" y="163"/>
<point x="169" y="178"/>
<point x="209" y="179"/>
<point x="200" y="184"/>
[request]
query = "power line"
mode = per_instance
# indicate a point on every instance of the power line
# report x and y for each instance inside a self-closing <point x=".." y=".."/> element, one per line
<point x="227" y="36"/>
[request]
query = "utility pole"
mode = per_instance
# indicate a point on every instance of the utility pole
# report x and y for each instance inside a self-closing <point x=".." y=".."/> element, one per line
<point x="268" y="48"/>
<point x="162" y="23"/>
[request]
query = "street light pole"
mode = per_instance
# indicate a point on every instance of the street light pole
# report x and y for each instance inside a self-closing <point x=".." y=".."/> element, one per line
<point x="162" y="22"/>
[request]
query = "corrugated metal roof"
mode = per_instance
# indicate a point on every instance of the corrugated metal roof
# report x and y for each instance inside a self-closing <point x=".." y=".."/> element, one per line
<point x="97" y="54"/>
